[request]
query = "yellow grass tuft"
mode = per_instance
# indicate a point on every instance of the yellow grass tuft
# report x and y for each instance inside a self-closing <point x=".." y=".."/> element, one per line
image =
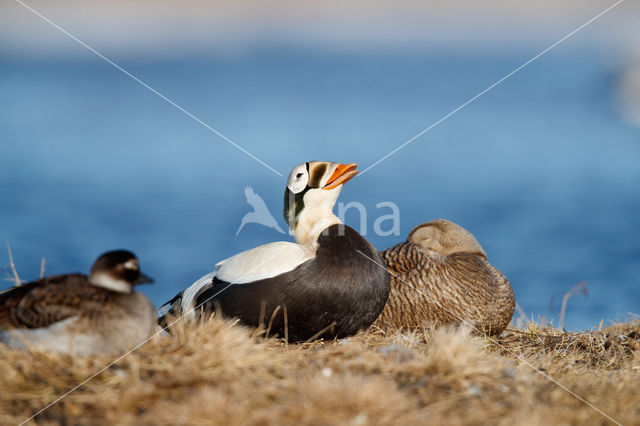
<point x="218" y="372"/>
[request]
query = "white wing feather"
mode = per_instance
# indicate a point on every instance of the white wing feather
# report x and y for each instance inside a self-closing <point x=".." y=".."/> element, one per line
<point x="266" y="261"/>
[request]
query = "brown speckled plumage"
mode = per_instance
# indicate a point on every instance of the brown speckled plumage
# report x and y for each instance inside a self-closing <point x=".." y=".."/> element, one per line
<point x="51" y="299"/>
<point x="441" y="276"/>
<point x="99" y="314"/>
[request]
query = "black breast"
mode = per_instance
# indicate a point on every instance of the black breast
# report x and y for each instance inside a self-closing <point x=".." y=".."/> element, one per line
<point x="335" y="294"/>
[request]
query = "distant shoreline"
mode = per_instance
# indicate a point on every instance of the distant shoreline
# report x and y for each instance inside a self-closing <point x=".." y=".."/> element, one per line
<point x="157" y="29"/>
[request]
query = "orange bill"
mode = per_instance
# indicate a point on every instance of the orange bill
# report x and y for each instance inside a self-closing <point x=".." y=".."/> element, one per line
<point x="341" y="174"/>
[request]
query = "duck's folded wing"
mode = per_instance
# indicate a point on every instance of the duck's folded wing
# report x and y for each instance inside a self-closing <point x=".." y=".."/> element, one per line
<point x="263" y="262"/>
<point x="46" y="302"/>
<point x="259" y="263"/>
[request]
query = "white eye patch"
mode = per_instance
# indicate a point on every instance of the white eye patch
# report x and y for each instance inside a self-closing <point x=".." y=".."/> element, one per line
<point x="298" y="178"/>
<point x="131" y="264"/>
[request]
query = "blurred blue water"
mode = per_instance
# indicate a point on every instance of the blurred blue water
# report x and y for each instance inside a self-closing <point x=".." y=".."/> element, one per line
<point x="540" y="169"/>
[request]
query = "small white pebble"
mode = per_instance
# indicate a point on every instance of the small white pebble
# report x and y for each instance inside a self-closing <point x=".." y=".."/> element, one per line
<point x="120" y="373"/>
<point x="474" y="391"/>
<point x="326" y="372"/>
<point x="360" y="419"/>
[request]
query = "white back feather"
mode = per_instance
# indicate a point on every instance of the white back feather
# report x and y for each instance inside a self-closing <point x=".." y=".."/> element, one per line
<point x="258" y="263"/>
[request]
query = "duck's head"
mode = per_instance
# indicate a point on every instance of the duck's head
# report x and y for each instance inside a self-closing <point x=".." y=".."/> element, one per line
<point x="445" y="237"/>
<point x="312" y="191"/>
<point x="117" y="270"/>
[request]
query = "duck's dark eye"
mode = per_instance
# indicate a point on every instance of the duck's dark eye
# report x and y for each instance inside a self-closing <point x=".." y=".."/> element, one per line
<point x="299" y="175"/>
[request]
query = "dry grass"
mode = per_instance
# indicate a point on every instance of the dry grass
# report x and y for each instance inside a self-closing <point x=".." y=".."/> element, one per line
<point x="221" y="373"/>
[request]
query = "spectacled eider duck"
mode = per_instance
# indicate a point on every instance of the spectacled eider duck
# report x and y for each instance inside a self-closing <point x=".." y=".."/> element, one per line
<point x="322" y="285"/>
<point x="441" y="276"/>
<point x="79" y="315"/>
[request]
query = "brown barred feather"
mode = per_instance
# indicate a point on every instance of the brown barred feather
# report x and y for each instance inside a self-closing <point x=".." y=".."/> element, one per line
<point x="49" y="300"/>
<point x="442" y="277"/>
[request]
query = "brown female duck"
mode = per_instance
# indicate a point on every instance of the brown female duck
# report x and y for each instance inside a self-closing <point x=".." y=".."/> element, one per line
<point x="440" y="275"/>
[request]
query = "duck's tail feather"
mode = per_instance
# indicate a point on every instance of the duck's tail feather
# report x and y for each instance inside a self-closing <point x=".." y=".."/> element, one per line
<point x="170" y="308"/>
<point x="183" y="304"/>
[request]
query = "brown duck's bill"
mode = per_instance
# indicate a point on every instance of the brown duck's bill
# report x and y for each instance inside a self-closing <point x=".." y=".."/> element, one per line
<point x="143" y="279"/>
<point x="341" y="174"/>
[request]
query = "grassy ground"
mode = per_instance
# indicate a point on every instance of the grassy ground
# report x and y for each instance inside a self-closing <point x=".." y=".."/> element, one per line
<point x="221" y="373"/>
